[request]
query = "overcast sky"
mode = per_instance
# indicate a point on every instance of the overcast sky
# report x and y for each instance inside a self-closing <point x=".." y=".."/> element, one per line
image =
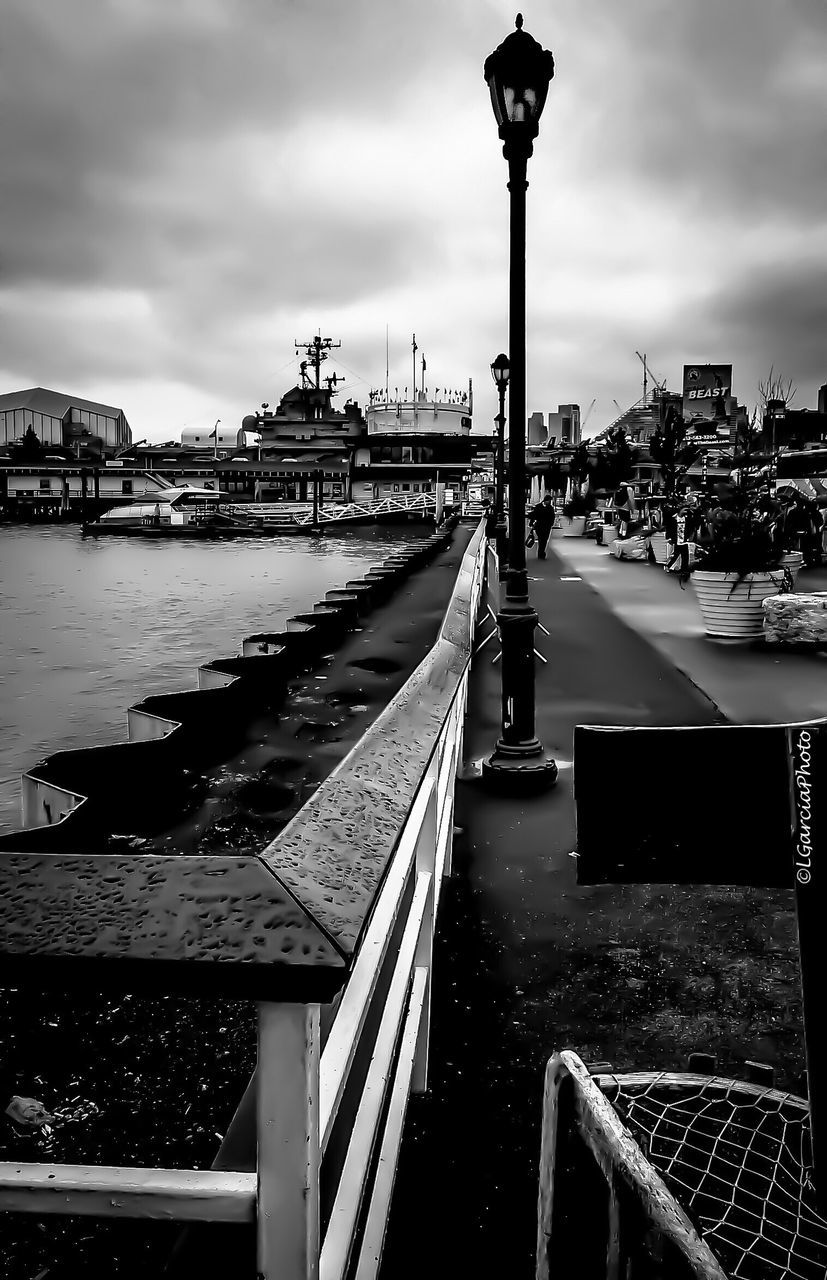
<point x="188" y="185"/>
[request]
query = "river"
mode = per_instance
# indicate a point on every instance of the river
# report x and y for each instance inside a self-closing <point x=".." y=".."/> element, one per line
<point x="91" y="626"/>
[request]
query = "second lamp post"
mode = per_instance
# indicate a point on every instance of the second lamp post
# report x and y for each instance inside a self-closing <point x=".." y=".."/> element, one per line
<point x="500" y="370"/>
<point x="518" y="74"/>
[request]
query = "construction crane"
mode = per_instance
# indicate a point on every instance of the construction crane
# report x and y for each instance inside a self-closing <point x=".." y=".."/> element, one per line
<point x="587" y="415"/>
<point x="647" y="372"/>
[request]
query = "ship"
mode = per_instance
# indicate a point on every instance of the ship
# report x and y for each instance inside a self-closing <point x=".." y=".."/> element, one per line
<point x="406" y="443"/>
<point x="184" y="511"/>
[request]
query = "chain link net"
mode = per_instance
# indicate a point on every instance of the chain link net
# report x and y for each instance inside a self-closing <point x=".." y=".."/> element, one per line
<point x="737" y="1157"/>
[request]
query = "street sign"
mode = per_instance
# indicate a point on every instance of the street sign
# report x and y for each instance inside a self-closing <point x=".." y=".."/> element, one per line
<point x="760" y="827"/>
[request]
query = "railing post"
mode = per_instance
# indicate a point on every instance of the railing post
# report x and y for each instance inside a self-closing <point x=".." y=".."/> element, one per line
<point x="425" y="861"/>
<point x="288" y="1142"/>
<point x="446" y="810"/>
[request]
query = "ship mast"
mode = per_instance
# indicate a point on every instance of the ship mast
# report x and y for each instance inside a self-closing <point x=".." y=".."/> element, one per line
<point x="316" y="351"/>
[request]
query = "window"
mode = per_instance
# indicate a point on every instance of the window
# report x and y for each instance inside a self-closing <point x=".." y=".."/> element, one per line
<point x="406" y="488"/>
<point x="426" y="488"/>
<point x="407" y="453"/>
<point x="396" y="488"/>
<point x="126" y="486"/>
<point x="396" y="453"/>
<point x="416" y="488"/>
<point x="45" y="484"/>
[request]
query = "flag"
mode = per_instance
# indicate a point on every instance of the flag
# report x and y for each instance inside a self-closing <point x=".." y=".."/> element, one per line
<point x="424" y="366"/>
<point x="415" y="347"/>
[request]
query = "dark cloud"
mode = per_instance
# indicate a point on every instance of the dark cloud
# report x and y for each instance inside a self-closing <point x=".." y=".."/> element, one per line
<point x="780" y="317"/>
<point x="187" y="183"/>
<point x="721" y="107"/>
<point x="102" y="111"/>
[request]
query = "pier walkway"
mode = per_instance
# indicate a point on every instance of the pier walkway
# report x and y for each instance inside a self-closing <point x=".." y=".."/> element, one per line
<point x="527" y="962"/>
<point x="418" y="947"/>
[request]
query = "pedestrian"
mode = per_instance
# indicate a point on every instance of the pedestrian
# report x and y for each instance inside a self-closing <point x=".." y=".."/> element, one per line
<point x="542" y="522"/>
<point x="624" y="504"/>
<point x="683" y="527"/>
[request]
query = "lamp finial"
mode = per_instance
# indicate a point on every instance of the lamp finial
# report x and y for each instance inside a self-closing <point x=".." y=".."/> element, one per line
<point x="519" y="22"/>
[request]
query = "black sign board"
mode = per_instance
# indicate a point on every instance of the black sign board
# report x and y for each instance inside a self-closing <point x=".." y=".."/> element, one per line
<point x="726" y="804"/>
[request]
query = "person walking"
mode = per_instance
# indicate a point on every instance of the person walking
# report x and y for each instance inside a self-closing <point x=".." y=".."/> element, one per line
<point x="684" y="525"/>
<point x="542" y="522"/>
<point x="625" y="508"/>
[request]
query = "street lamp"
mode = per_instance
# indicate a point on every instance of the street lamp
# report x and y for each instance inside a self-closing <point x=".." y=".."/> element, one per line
<point x="500" y="372"/>
<point x="518" y="74"/>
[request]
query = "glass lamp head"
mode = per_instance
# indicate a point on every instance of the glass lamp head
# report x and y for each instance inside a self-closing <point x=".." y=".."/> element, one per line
<point x="518" y="74"/>
<point x="501" y="370"/>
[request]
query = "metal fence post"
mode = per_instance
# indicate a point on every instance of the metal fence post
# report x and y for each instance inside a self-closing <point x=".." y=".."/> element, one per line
<point x="288" y="1142"/>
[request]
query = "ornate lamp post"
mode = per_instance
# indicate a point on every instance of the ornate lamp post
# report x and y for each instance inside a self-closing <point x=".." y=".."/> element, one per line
<point x="500" y="372"/>
<point x="518" y="74"/>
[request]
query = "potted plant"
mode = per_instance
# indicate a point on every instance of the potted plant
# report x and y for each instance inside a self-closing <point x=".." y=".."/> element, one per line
<point x="573" y="517"/>
<point x="742" y="559"/>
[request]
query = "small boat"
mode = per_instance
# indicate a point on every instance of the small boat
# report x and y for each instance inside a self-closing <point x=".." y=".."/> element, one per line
<point x="186" y="511"/>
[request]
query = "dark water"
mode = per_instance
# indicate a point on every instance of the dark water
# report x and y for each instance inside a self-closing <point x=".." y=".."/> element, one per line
<point x="91" y="626"/>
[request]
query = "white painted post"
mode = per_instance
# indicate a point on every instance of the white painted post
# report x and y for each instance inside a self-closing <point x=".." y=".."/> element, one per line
<point x="288" y="1142"/>
<point x="446" y="810"/>
<point x="462" y="698"/>
<point x="425" y="861"/>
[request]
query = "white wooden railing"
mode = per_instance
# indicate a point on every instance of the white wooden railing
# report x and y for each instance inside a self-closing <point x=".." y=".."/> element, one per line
<point x="333" y="512"/>
<point x="302" y="1074"/>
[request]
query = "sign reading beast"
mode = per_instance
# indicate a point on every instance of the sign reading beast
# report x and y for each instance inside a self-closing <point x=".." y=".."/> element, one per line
<point x="706" y="389"/>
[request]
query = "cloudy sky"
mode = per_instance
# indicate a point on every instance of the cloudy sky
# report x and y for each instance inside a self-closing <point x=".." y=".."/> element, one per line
<point x="187" y="186"/>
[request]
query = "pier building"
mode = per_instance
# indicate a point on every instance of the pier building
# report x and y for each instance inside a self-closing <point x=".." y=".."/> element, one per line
<point x="86" y="427"/>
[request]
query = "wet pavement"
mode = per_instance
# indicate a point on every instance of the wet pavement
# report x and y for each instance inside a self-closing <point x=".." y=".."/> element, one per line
<point x="527" y="962"/>
<point x="751" y="684"/>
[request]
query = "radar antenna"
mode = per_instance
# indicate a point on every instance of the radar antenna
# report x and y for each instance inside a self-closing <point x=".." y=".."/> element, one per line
<point x="317" y="352"/>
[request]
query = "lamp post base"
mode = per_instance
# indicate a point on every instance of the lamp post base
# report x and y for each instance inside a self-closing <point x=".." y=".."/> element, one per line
<point x="522" y="770"/>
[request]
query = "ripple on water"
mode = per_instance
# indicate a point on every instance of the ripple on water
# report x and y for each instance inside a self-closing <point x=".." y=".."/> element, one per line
<point x="92" y="626"/>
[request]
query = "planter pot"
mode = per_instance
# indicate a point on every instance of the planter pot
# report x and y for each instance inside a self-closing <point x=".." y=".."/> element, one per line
<point x="572" y="526"/>
<point x="731" y="611"/>
<point x="662" y="548"/>
<point x="607" y="536"/>
<point x="793" y="560"/>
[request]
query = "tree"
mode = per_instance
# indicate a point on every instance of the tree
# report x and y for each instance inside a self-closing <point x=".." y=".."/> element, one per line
<point x="773" y="387"/>
<point x="555" y="480"/>
<point x="618" y="458"/>
<point x="669" y="448"/>
<point x="579" y="463"/>
<point x="30" y="448"/>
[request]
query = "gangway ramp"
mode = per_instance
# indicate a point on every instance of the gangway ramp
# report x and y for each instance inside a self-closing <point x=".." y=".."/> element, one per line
<point x="269" y="515"/>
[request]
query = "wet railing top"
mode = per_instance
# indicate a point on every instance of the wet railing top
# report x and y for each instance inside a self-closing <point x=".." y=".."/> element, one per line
<point x="281" y="925"/>
<point x="333" y="854"/>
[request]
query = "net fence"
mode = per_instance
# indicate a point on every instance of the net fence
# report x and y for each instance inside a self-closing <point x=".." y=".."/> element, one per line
<point x="737" y="1157"/>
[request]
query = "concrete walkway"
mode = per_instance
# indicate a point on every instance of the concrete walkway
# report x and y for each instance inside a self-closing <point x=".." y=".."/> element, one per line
<point x="750" y="685"/>
<point x="528" y="962"/>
